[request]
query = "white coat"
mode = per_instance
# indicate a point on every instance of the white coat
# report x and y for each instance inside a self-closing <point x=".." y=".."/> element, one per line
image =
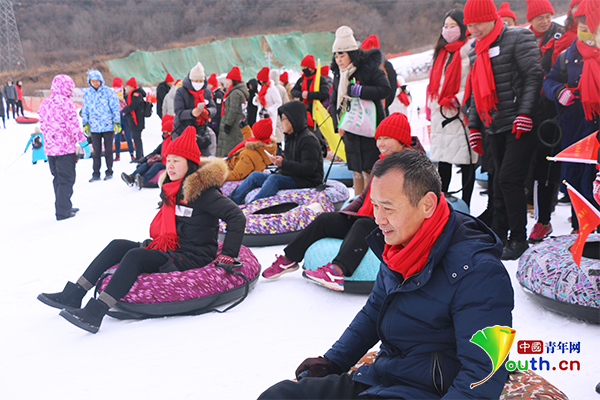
<point x="273" y="100"/>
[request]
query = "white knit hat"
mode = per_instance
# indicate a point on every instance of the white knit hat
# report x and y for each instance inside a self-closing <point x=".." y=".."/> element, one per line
<point x="197" y="73"/>
<point x="344" y="40"/>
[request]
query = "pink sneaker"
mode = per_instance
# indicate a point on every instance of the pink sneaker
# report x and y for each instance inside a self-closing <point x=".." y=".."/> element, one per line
<point x="327" y="276"/>
<point x="281" y="266"/>
<point x="540" y="232"/>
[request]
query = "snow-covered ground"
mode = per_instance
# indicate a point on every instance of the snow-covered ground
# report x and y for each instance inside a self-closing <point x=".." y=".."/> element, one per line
<point x="235" y="355"/>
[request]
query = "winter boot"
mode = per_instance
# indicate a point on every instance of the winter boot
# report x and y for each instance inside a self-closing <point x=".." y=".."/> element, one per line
<point x="70" y="297"/>
<point x="88" y="318"/>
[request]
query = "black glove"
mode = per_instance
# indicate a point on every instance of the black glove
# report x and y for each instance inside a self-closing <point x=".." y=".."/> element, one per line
<point x="227" y="129"/>
<point x="242" y="123"/>
<point x="317" y="367"/>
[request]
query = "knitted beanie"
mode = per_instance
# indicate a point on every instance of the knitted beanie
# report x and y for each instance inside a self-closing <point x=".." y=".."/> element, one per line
<point x="538" y="7"/>
<point x="574" y="3"/>
<point x="167" y="123"/>
<point x="476" y="11"/>
<point x="117" y="82"/>
<point x="505" y="11"/>
<point x="370" y="42"/>
<point x="308" y="62"/>
<point x="131" y="82"/>
<point x="325" y="70"/>
<point x="169" y="78"/>
<point x="234" y="74"/>
<point x="262" y="129"/>
<point x="396" y="126"/>
<point x="284" y="77"/>
<point x="591" y="10"/>
<point x="263" y="75"/>
<point x="197" y="73"/>
<point x="185" y="146"/>
<point x="212" y="80"/>
<point x="344" y="40"/>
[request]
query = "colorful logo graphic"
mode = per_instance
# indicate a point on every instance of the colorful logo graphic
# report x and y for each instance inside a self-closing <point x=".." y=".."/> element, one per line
<point x="496" y="342"/>
<point x="530" y="347"/>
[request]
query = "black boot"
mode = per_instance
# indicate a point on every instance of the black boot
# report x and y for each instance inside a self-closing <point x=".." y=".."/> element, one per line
<point x="88" y="318"/>
<point x="70" y="297"/>
<point x="514" y="249"/>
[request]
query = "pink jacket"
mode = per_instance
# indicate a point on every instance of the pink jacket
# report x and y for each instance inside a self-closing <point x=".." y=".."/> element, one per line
<point x="58" y="118"/>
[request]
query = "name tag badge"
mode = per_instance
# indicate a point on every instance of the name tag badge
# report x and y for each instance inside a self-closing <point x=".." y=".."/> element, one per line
<point x="494" y="51"/>
<point x="182" y="211"/>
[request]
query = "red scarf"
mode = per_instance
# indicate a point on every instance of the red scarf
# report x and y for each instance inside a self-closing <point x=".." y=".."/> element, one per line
<point x="589" y="83"/>
<point x="199" y="98"/>
<point x="133" y="111"/>
<point x="305" y="87"/>
<point x="163" y="229"/>
<point x="482" y="75"/>
<point x="565" y="41"/>
<point x="262" y="93"/>
<point x="411" y="259"/>
<point x="451" y="77"/>
<point x="225" y="98"/>
<point x="537" y="34"/>
<point x="403" y="98"/>
<point x="243" y="144"/>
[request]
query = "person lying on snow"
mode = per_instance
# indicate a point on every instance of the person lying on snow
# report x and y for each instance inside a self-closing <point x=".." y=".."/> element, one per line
<point x="253" y="153"/>
<point x="440" y="282"/>
<point x="353" y="224"/>
<point x="301" y="165"/>
<point x="184" y="235"/>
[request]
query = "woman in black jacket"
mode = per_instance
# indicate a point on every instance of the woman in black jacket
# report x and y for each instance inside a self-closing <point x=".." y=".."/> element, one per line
<point x="134" y="114"/>
<point x="357" y="73"/>
<point x="184" y="235"/>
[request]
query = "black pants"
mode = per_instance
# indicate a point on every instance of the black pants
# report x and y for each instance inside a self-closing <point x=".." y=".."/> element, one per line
<point x="63" y="170"/>
<point x="468" y="179"/>
<point x="20" y="107"/>
<point x="329" y="387"/>
<point x="133" y="260"/>
<point x="337" y="225"/>
<point x="546" y="177"/>
<point x="108" y="139"/>
<point x="136" y="134"/>
<point x="11" y="104"/>
<point x="511" y="158"/>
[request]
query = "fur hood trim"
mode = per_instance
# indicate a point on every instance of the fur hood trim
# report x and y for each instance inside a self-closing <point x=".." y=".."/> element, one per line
<point x="212" y="173"/>
<point x="259" y="144"/>
<point x="367" y="60"/>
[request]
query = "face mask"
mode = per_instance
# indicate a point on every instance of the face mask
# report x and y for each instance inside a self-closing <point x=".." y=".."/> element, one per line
<point x="451" y="35"/>
<point x="307" y="72"/>
<point x="587" y="38"/>
<point x="197" y="85"/>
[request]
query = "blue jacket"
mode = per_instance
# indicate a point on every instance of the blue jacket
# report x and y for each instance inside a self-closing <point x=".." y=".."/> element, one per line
<point x="100" y="106"/>
<point x="572" y="118"/>
<point x="425" y="322"/>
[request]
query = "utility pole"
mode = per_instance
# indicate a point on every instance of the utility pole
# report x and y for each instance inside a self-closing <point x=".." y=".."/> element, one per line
<point x="11" y="52"/>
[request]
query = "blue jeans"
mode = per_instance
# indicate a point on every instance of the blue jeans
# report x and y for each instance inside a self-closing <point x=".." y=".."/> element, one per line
<point x="147" y="172"/>
<point x="269" y="184"/>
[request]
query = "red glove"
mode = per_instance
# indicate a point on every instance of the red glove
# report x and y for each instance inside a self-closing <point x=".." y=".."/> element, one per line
<point x="475" y="141"/>
<point x="566" y="97"/>
<point x="223" y="259"/>
<point x="522" y="124"/>
<point x="596" y="188"/>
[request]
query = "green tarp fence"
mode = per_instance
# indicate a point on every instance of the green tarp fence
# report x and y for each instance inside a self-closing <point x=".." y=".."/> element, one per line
<point x="250" y="54"/>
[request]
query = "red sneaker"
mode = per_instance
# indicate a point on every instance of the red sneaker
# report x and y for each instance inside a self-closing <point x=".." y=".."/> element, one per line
<point x="281" y="266"/>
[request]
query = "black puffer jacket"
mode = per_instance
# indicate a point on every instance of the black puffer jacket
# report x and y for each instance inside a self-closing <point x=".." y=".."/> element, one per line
<point x="374" y="82"/>
<point x="184" y="104"/>
<point x="137" y="106"/>
<point x="555" y="31"/>
<point x="302" y="157"/>
<point x="518" y="78"/>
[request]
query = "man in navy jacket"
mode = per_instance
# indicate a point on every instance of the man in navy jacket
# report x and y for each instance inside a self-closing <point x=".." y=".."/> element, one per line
<point x="441" y="281"/>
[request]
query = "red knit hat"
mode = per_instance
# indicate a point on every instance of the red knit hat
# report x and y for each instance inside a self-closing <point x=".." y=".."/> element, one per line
<point x="131" y="82"/>
<point x="396" y="126"/>
<point x="212" y="80"/>
<point x="479" y="11"/>
<point x="574" y="3"/>
<point x="263" y="129"/>
<point x="263" y="75"/>
<point x="370" y="42"/>
<point x="167" y="123"/>
<point x="308" y="62"/>
<point x="591" y="10"/>
<point x="117" y="82"/>
<point x="185" y="146"/>
<point x="169" y="78"/>
<point x="325" y="70"/>
<point x="234" y="74"/>
<point x="284" y="77"/>
<point x="538" y="7"/>
<point x="505" y="11"/>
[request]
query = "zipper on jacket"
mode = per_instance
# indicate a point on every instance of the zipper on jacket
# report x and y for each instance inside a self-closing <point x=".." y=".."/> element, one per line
<point x="437" y="373"/>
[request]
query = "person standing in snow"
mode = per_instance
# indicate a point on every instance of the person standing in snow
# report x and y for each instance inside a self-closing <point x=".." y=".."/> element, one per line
<point x="36" y="140"/>
<point x="304" y="89"/>
<point x="507" y="15"/>
<point x="372" y="42"/>
<point x="278" y="133"/>
<point x="134" y="113"/>
<point x="161" y="91"/>
<point x="218" y="94"/>
<point x="101" y="120"/>
<point x="232" y="112"/>
<point x="117" y="86"/>
<point x="62" y="132"/>
<point x="19" y="86"/>
<point x="10" y="95"/>
<point x="267" y="100"/>
<point x="285" y="82"/>
<point x="168" y="107"/>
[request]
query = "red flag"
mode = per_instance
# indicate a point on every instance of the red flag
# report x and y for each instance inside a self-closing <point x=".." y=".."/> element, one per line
<point x="588" y="217"/>
<point x="584" y="151"/>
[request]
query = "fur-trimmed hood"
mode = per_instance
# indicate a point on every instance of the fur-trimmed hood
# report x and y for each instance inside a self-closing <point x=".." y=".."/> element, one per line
<point x="212" y="173"/>
<point x="259" y="144"/>
<point x="367" y="60"/>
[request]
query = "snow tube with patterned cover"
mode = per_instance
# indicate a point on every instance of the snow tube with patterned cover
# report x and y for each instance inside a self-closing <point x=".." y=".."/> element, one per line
<point x="190" y="292"/>
<point x="26" y="120"/>
<point x="362" y="280"/>
<point x="547" y="273"/>
<point x="279" y="219"/>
